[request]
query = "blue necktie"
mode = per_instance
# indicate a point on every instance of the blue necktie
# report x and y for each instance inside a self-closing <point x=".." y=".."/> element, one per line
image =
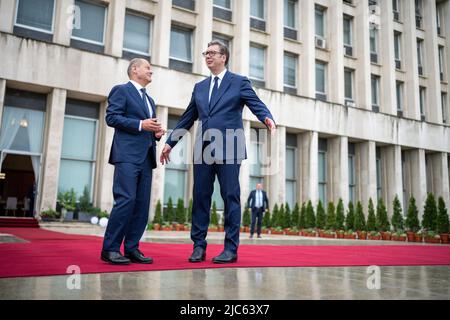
<point x="144" y="98"/>
<point x="214" y="90"/>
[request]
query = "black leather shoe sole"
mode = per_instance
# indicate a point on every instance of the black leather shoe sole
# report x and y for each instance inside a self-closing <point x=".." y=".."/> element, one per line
<point x="225" y="261"/>
<point x="140" y="261"/>
<point x="116" y="262"/>
<point x="203" y="258"/>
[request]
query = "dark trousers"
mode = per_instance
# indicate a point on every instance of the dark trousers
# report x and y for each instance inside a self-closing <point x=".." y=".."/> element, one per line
<point x="204" y="176"/>
<point x="257" y="213"/>
<point x="129" y="216"/>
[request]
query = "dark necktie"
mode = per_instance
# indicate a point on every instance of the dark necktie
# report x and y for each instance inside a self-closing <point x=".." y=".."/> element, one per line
<point x="144" y="98"/>
<point x="214" y="90"/>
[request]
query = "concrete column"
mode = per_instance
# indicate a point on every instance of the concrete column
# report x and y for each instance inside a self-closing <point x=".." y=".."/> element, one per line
<point x="277" y="170"/>
<point x="276" y="46"/>
<point x="416" y="177"/>
<point x="309" y="176"/>
<point x="391" y="157"/>
<point x="157" y="193"/>
<point x="56" y="105"/>
<point x="242" y="36"/>
<point x="308" y="56"/>
<point x="7" y="14"/>
<point x="411" y="88"/>
<point x="203" y="35"/>
<point x="433" y="96"/>
<point x="437" y="178"/>
<point x="162" y="23"/>
<point x="63" y="22"/>
<point x="336" y="40"/>
<point x="244" y="174"/>
<point x="115" y="28"/>
<point x="338" y="169"/>
<point x="386" y="43"/>
<point x="105" y="174"/>
<point x="2" y="97"/>
<point x="366" y="177"/>
<point x="362" y="46"/>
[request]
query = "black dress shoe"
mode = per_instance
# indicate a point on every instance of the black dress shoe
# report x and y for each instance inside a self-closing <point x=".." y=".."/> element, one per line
<point x="225" y="257"/>
<point x="198" y="255"/>
<point x="138" y="257"/>
<point x="114" y="257"/>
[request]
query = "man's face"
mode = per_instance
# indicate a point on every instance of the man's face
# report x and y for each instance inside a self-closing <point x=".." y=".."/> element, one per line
<point x="259" y="186"/>
<point x="214" y="59"/>
<point x="144" y="71"/>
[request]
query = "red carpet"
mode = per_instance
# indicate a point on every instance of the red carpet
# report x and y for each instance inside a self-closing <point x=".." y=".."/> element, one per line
<point x="50" y="253"/>
<point x="13" y="222"/>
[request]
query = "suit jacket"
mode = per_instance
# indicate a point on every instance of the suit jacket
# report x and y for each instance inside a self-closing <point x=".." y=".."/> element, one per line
<point x="224" y="112"/>
<point x="252" y="200"/>
<point x="125" y="111"/>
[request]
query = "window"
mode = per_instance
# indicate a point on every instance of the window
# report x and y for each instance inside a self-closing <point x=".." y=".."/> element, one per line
<point x="379" y="173"/>
<point x="321" y="80"/>
<point x="444" y="107"/>
<point x="290" y="71"/>
<point x="320" y="21"/>
<point x="420" y="56"/>
<point x="439" y="19"/>
<point x="290" y="19"/>
<point x="323" y="148"/>
<point x="422" y="97"/>
<point x="36" y="14"/>
<point x="258" y="14"/>
<point x="396" y="9"/>
<point x="441" y="62"/>
<point x="222" y="10"/>
<point x="186" y="4"/>
<point x="177" y="169"/>
<point x="399" y="95"/>
<point x="397" y="49"/>
<point x="77" y="168"/>
<point x="256" y="144"/>
<point x="375" y="86"/>
<point x="136" y="37"/>
<point x="257" y="62"/>
<point x="92" y="23"/>
<point x="351" y="173"/>
<point x="419" y="10"/>
<point x="348" y="84"/>
<point x="291" y="171"/>
<point x="348" y="35"/>
<point x="180" y="49"/>
<point x="373" y="45"/>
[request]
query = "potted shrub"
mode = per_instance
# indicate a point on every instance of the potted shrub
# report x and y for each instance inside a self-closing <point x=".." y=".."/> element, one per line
<point x="340" y="234"/>
<point x="442" y="221"/>
<point x="310" y="217"/>
<point x="330" y="234"/>
<point x="418" y="236"/>
<point x="398" y="235"/>
<point x="432" y="237"/>
<point x="158" y="218"/>
<point x="180" y="215"/>
<point x="360" y="222"/>
<point x="264" y="230"/>
<point x="246" y="220"/>
<point x="67" y="200"/>
<point x="382" y="221"/>
<point x="166" y="226"/>
<point x="429" y="219"/>
<point x="350" y="218"/>
<point x="321" y="218"/>
<point x="212" y="228"/>
<point x="371" y="219"/>
<point x="293" y="231"/>
<point x="340" y="216"/>
<point x="49" y="215"/>
<point x="374" y="235"/>
<point x="412" y="220"/>
<point x="277" y="230"/>
<point x="187" y="226"/>
<point x="397" y="216"/>
<point x="350" y="234"/>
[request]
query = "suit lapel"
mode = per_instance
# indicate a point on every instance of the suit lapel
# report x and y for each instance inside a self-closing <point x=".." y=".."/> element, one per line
<point x="204" y="93"/>
<point x="138" y="98"/>
<point x="152" y="106"/>
<point x="226" y="82"/>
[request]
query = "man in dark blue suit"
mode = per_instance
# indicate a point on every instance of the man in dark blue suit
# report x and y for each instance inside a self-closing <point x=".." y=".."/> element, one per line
<point x="131" y="112"/>
<point x="218" y="102"/>
<point x="259" y="203"/>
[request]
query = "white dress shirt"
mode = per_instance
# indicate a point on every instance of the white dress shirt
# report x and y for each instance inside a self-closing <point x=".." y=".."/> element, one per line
<point x="138" y="88"/>
<point x="211" y="85"/>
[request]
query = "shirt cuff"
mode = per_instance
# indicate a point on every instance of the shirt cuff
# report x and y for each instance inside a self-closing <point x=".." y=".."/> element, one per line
<point x="140" y="125"/>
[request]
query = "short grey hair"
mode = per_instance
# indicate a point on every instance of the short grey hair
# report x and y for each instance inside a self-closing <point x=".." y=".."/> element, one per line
<point x="223" y="49"/>
<point x="134" y="62"/>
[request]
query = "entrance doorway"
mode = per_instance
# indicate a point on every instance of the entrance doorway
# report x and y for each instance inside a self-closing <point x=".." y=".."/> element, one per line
<point x="18" y="188"/>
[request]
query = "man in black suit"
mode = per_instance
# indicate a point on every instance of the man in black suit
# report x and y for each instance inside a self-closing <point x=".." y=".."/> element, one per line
<point x="259" y="203"/>
<point x="132" y="114"/>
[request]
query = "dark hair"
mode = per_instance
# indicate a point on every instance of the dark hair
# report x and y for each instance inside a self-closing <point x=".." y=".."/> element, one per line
<point x="223" y="49"/>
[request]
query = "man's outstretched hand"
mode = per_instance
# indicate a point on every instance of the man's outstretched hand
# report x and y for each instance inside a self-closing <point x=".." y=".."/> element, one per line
<point x="165" y="159"/>
<point x="270" y="124"/>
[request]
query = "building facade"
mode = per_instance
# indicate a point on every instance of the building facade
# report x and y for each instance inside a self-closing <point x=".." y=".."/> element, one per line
<point x="359" y="91"/>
